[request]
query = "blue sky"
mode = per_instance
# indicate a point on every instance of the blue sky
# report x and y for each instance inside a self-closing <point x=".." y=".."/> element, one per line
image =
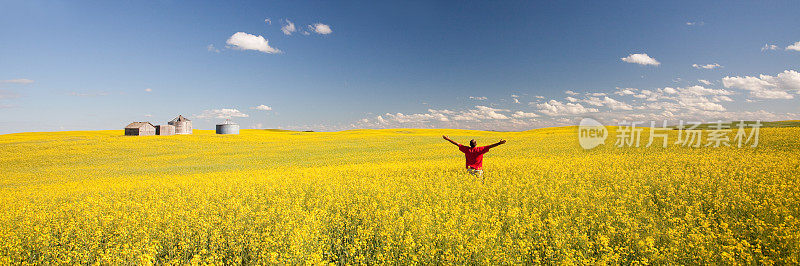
<point x="86" y="65"/>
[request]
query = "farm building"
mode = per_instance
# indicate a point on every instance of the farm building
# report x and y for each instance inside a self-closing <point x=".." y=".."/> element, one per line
<point x="165" y="130"/>
<point x="182" y="125"/>
<point x="228" y="127"/>
<point x="140" y="129"/>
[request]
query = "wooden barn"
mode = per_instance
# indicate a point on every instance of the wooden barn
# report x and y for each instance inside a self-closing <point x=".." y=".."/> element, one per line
<point x="140" y="129"/>
<point x="165" y="130"/>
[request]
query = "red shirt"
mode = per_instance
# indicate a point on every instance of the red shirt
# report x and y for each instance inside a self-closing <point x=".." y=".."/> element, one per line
<point x="474" y="156"/>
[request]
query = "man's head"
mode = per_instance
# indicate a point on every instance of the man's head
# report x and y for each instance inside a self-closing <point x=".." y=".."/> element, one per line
<point x="473" y="143"/>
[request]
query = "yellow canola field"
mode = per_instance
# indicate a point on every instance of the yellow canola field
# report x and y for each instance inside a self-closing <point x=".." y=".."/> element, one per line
<point x="393" y="196"/>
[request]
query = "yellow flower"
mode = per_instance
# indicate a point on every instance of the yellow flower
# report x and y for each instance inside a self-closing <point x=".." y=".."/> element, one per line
<point x="393" y="197"/>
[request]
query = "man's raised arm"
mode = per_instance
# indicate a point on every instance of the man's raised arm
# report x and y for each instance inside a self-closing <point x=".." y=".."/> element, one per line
<point x="450" y="140"/>
<point x="502" y="141"/>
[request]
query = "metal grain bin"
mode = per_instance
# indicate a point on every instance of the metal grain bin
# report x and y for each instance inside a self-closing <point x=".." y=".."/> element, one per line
<point x="182" y="125"/>
<point x="227" y="128"/>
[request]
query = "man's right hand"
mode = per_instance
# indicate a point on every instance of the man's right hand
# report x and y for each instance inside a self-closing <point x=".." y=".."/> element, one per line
<point x="450" y="140"/>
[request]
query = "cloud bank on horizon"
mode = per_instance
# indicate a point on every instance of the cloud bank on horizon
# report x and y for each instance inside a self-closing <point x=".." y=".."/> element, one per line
<point x="695" y="102"/>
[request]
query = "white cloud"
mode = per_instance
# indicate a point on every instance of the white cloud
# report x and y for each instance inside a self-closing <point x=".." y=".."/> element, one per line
<point x="788" y="80"/>
<point x="320" y="28"/>
<point x="642" y="59"/>
<point x="432" y="115"/>
<point x="480" y="98"/>
<point x="381" y="120"/>
<point x="571" y="99"/>
<point x="440" y="115"/>
<point x="7" y="94"/>
<point x="539" y="97"/>
<point x="616" y="105"/>
<point x="514" y="96"/>
<point x="700" y="90"/>
<point x="221" y="113"/>
<point x="555" y="108"/>
<point x="701" y="103"/>
<point x="668" y="106"/>
<point x="403" y="118"/>
<point x="148" y="90"/>
<point x="262" y="108"/>
<point x="695" y="98"/>
<point x="690" y="23"/>
<point x="707" y="66"/>
<point x="481" y="113"/>
<point x="765" y="86"/>
<point x="268" y="21"/>
<point x="706" y="82"/>
<point x="692" y="99"/>
<point x="608" y="102"/>
<point x="594" y="101"/>
<point x="757" y="87"/>
<point x="244" y="41"/>
<point x="18" y="81"/>
<point x="625" y="91"/>
<point x="597" y="94"/>
<point x="571" y="93"/>
<point x="211" y="48"/>
<point x="794" y="47"/>
<point x="288" y="27"/>
<point x="148" y="115"/>
<point x="644" y="94"/>
<point x="717" y="99"/>
<point x="516" y="100"/>
<point x="769" y="47"/>
<point x="521" y="114"/>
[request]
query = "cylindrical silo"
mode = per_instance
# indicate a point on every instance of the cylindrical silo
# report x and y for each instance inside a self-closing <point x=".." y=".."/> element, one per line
<point x="182" y="125"/>
<point x="228" y="127"/>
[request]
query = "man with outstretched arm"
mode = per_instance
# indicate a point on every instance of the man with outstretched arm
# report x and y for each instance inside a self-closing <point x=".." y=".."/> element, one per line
<point x="474" y="154"/>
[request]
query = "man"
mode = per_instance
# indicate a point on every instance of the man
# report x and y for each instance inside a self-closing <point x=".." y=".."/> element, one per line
<point x="474" y="154"/>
